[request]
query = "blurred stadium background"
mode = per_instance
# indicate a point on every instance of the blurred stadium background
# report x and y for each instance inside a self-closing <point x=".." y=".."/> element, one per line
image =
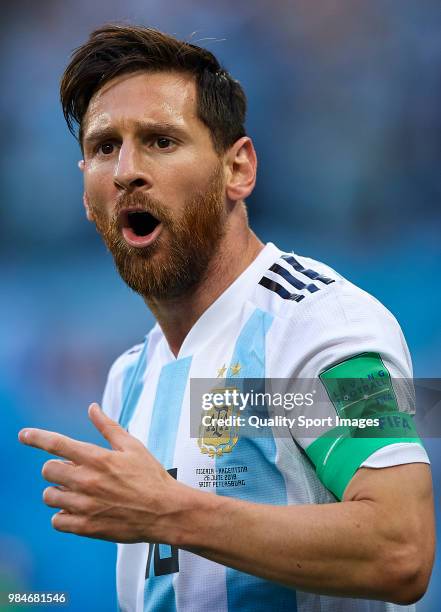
<point x="345" y="111"/>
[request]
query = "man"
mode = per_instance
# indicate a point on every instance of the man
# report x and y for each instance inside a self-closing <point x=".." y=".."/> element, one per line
<point x="232" y="522"/>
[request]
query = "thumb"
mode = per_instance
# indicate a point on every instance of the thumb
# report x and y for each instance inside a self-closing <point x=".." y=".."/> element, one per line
<point x="108" y="428"/>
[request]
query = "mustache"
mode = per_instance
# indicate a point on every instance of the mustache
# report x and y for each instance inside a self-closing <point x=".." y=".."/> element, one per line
<point x="145" y="203"/>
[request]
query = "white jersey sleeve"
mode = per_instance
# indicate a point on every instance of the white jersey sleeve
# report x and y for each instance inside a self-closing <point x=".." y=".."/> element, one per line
<point x="348" y="334"/>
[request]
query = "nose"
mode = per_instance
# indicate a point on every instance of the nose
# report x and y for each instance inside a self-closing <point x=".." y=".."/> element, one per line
<point x="130" y="172"/>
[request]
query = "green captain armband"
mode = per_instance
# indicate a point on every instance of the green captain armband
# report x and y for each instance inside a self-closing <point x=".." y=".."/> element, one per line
<point x="361" y="391"/>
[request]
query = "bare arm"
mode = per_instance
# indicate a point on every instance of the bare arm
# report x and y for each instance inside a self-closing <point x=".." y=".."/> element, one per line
<point x="378" y="543"/>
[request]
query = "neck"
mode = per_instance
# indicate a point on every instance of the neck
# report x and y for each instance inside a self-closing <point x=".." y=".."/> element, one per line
<point x="238" y="248"/>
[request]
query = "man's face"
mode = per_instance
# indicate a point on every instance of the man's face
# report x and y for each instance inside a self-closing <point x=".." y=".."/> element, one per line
<point x="154" y="185"/>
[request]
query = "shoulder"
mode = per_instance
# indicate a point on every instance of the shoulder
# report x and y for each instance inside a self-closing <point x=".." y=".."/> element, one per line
<point x="123" y="369"/>
<point x="130" y="357"/>
<point x="320" y="317"/>
<point x="297" y="288"/>
<point x="339" y="305"/>
<point x="118" y="373"/>
<point x="125" y="360"/>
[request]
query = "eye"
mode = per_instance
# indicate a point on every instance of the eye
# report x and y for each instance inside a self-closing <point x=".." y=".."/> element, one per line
<point x="106" y="148"/>
<point x="163" y="142"/>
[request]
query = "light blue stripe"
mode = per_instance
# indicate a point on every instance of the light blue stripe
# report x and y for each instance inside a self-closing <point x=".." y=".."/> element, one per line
<point x="159" y="594"/>
<point x="132" y="387"/>
<point x="264" y="481"/>
<point x="164" y="550"/>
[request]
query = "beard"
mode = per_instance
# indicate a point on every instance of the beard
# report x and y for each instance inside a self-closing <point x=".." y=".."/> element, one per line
<point x="179" y="257"/>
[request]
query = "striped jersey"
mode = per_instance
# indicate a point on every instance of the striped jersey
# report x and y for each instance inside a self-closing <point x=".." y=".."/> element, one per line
<point x="285" y="317"/>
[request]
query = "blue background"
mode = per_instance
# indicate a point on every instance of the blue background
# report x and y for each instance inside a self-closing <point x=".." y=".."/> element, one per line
<point x="344" y="109"/>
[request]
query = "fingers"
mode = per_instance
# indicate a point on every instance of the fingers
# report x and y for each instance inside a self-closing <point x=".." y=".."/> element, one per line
<point x="59" y="472"/>
<point x="98" y="528"/>
<point x="70" y="523"/>
<point x="117" y="437"/>
<point x="69" y="501"/>
<point x="62" y="446"/>
<point x="84" y="525"/>
<point x="78" y="452"/>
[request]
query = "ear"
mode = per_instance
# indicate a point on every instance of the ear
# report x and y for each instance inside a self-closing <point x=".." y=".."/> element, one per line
<point x="81" y="166"/>
<point x="87" y="208"/>
<point x="241" y="162"/>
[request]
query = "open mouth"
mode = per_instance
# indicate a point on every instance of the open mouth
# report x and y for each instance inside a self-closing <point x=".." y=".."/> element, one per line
<point x="139" y="228"/>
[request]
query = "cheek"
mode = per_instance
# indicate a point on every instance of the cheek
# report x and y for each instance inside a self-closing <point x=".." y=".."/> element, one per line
<point x="187" y="182"/>
<point x="99" y="188"/>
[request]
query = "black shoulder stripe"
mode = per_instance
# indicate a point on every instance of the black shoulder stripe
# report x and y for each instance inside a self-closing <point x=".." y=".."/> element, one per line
<point x="272" y="285"/>
<point x="295" y="282"/>
<point x="135" y="350"/>
<point x="306" y="271"/>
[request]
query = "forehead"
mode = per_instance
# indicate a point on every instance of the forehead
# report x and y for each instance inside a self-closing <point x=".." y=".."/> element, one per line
<point x="159" y="97"/>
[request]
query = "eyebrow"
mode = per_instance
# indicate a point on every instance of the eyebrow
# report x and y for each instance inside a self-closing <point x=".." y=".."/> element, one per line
<point x="147" y="127"/>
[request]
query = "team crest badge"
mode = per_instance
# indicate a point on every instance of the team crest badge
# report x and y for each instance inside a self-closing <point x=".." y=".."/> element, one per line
<point x="216" y="439"/>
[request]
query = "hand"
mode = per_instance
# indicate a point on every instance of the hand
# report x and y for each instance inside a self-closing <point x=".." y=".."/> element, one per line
<point x="122" y="495"/>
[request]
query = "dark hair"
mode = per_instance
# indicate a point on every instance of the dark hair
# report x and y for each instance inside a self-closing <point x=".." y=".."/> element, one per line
<point x="116" y="49"/>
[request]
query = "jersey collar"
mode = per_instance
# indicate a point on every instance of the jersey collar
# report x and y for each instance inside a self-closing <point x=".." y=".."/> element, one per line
<point x="225" y="307"/>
